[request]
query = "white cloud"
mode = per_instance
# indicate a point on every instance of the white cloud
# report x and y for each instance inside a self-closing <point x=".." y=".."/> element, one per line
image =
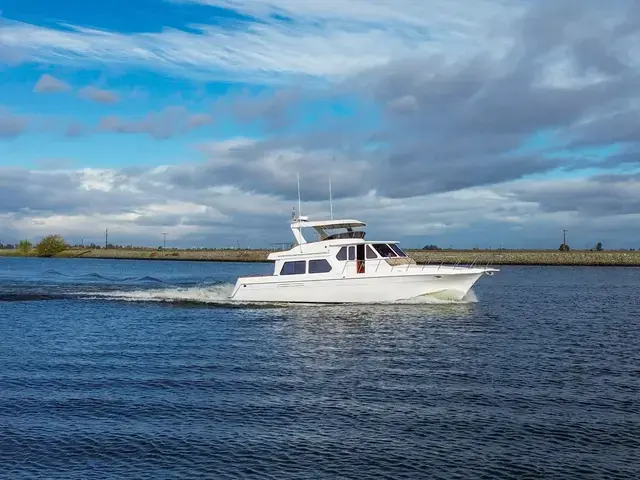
<point x="325" y="39"/>
<point x="454" y="17"/>
<point x="519" y="213"/>
<point x="97" y="179"/>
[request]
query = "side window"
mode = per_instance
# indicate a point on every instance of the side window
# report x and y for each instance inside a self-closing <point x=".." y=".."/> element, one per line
<point x="397" y="249"/>
<point x="370" y="253"/>
<point x="319" y="266"/>
<point x="293" y="268"/>
<point x="384" y="250"/>
<point x="346" y="253"/>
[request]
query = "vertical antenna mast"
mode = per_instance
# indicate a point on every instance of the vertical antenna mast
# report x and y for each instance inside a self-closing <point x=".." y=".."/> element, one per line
<point x="299" y="208"/>
<point x="330" y="199"/>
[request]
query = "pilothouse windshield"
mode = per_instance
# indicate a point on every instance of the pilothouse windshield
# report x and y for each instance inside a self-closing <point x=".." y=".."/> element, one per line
<point x="389" y="251"/>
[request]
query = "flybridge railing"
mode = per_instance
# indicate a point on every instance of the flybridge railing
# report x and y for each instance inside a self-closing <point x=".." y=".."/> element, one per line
<point x="407" y="266"/>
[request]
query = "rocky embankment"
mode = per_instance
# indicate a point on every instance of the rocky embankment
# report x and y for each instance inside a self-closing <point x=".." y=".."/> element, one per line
<point x="447" y="257"/>
<point x="542" y="257"/>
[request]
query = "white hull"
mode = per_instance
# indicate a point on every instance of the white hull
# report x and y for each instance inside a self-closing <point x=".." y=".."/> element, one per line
<point x="365" y="289"/>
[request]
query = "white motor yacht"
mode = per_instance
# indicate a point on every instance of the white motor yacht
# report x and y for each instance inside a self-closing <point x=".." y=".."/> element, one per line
<point x="343" y="267"/>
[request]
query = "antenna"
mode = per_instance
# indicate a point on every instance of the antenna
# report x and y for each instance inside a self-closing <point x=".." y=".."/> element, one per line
<point x="330" y="199"/>
<point x="299" y="207"/>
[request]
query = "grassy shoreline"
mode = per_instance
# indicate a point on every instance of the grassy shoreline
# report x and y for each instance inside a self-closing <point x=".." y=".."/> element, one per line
<point x="446" y="257"/>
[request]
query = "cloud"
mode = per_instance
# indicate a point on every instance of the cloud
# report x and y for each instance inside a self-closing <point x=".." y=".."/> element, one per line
<point x="598" y="196"/>
<point x="11" y="125"/>
<point x="98" y="95"/>
<point x="250" y="167"/>
<point x="75" y="129"/>
<point x="443" y="16"/>
<point x="133" y="204"/>
<point x="60" y="192"/>
<point x="168" y="122"/>
<point x="444" y="124"/>
<point x="328" y="41"/>
<point x="50" y="84"/>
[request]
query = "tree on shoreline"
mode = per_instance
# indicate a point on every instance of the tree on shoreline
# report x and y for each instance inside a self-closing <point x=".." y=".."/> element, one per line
<point x="24" y="246"/>
<point x="50" y="245"/>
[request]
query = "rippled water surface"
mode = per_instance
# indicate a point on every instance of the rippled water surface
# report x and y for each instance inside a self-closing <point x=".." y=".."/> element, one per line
<point x="125" y="369"/>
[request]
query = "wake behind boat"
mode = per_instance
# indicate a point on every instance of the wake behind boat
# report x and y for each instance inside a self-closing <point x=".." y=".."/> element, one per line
<point x="343" y="267"/>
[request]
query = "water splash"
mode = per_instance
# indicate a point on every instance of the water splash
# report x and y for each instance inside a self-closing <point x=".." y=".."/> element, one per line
<point x="442" y="298"/>
<point x="218" y="293"/>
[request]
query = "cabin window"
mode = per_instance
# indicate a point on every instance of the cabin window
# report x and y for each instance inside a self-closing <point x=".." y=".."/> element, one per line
<point x="293" y="268"/>
<point x="346" y="253"/>
<point x="384" y="250"/>
<point x="319" y="266"/>
<point x="397" y="249"/>
<point x="370" y="253"/>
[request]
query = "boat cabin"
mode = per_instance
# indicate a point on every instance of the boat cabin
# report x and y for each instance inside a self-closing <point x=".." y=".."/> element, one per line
<point x="336" y="253"/>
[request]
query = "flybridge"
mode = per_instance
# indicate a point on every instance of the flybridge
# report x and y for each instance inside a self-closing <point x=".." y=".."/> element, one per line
<point x="321" y="227"/>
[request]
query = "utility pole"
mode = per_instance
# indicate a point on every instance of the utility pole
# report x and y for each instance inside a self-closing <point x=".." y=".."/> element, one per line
<point x="106" y="237"/>
<point x="164" y="241"/>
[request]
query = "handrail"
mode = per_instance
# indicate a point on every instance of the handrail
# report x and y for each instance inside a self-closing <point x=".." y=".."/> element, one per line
<point x="403" y="267"/>
<point x="366" y="261"/>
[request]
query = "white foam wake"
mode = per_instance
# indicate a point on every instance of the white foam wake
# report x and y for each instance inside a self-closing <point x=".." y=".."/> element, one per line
<point x="441" y="298"/>
<point x="211" y="294"/>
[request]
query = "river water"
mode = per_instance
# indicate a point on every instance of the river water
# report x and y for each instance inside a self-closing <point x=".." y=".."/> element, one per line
<point x="142" y="369"/>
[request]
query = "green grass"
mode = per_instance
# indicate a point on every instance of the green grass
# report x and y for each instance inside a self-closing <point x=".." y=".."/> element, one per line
<point x="4" y="252"/>
<point x="479" y="257"/>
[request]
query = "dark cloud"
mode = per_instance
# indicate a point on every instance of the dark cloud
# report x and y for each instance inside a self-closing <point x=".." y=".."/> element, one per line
<point x="51" y="192"/>
<point x="98" y="95"/>
<point x="11" y="125"/>
<point x="258" y="168"/>
<point x="159" y="220"/>
<point x="56" y="163"/>
<point x="165" y="124"/>
<point x="276" y="111"/>
<point x="429" y="124"/>
<point x="599" y="196"/>
<point x="75" y="130"/>
<point x="458" y="125"/>
<point x="49" y="84"/>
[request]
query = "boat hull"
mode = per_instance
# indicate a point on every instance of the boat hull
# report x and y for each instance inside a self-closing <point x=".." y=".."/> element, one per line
<point x="366" y="289"/>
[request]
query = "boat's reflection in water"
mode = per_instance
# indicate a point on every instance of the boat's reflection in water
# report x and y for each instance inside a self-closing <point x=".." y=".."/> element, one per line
<point x="364" y="347"/>
<point x="384" y="318"/>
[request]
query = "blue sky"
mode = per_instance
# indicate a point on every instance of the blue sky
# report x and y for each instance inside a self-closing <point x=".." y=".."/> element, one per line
<point x="455" y="122"/>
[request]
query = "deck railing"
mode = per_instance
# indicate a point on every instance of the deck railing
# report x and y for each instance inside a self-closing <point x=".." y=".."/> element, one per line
<point x="368" y="263"/>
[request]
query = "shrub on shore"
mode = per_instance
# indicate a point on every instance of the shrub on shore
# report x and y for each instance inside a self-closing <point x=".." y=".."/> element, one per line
<point x="24" y="246"/>
<point x="51" y="245"/>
